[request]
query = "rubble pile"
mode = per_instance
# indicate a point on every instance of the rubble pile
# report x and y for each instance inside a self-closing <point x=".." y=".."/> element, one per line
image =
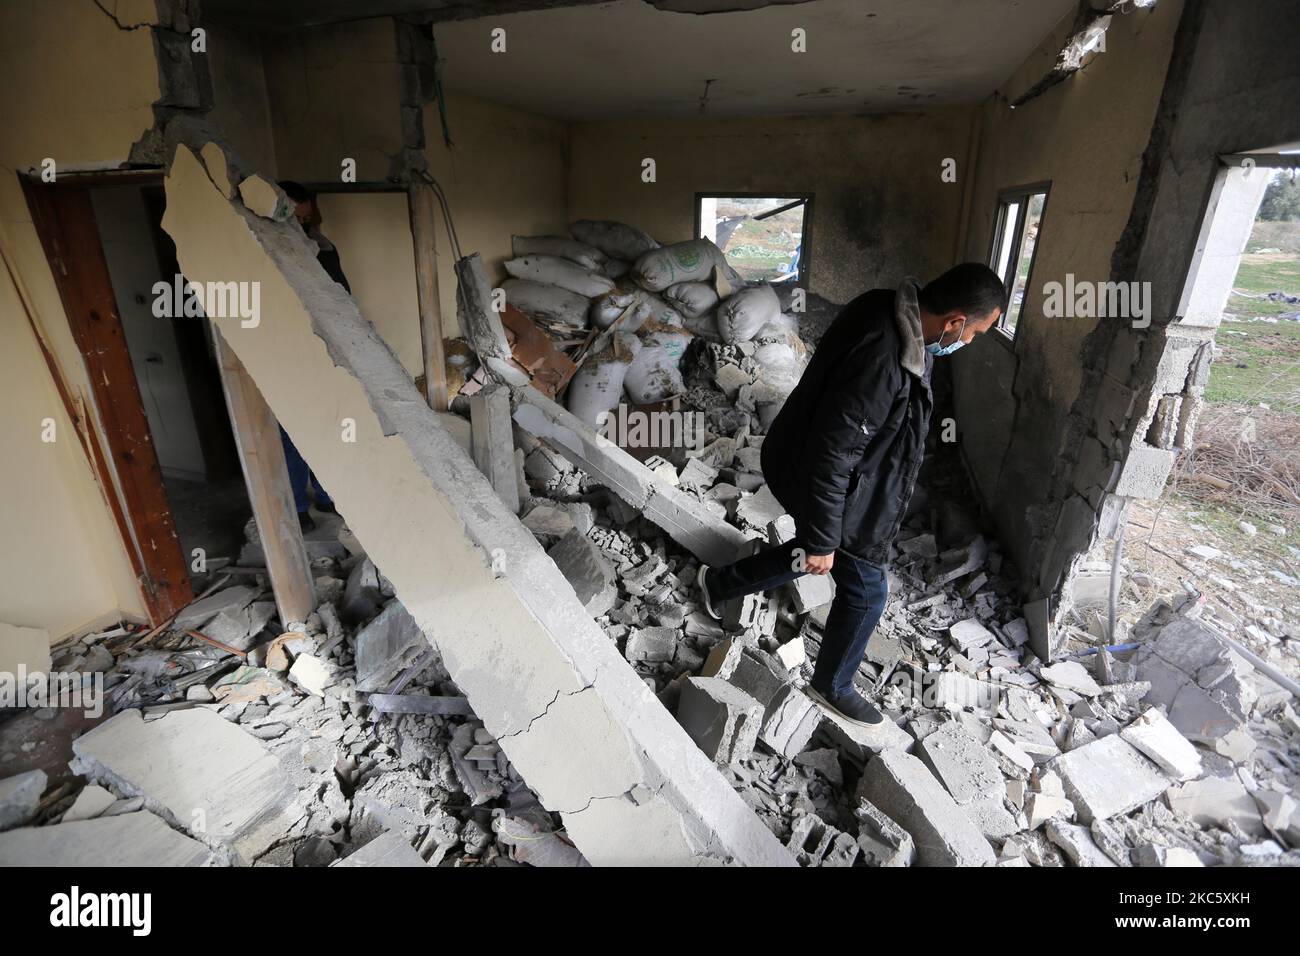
<point x="343" y="744"/>
<point x="986" y="756"/>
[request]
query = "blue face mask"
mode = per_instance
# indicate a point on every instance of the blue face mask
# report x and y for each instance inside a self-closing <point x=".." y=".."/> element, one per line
<point x="935" y="348"/>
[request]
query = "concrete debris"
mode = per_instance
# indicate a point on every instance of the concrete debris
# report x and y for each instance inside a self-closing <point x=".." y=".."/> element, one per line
<point x="20" y="795"/>
<point x="882" y="841"/>
<point x="592" y="577"/>
<point x="814" y="843"/>
<point x="723" y="720"/>
<point x="200" y="773"/>
<point x="1108" y="777"/>
<point x="90" y="803"/>
<point x="126" y="840"/>
<point x="901" y="786"/>
<point x="386" y="646"/>
<point x="1161" y="742"/>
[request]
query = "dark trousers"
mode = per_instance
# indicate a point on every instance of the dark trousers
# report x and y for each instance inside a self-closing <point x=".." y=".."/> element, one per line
<point x="300" y="476"/>
<point x="860" y="592"/>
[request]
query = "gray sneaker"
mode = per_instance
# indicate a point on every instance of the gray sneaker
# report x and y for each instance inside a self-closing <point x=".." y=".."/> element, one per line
<point x="702" y="581"/>
<point x="852" y="706"/>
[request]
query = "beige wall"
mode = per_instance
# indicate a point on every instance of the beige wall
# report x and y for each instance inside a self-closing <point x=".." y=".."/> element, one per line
<point x="75" y="88"/>
<point x="373" y="237"/>
<point x="504" y="175"/>
<point x="880" y="209"/>
<point x="1086" y="135"/>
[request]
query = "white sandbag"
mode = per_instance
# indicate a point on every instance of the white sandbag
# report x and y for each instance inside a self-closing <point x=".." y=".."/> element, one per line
<point x="589" y="257"/>
<point x="741" y="316"/>
<point x="674" y="341"/>
<point x="781" y="356"/>
<point x="617" y="240"/>
<point x="606" y="309"/>
<point x="690" y="261"/>
<point x="653" y="375"/>
<point x="616" y="268"/>
<point x="554" y="270"/>
<point x="547" y="302"/>
<point x="597" y="387"/>
<point x="691" y="299"/>
<point x="704" y="326"/>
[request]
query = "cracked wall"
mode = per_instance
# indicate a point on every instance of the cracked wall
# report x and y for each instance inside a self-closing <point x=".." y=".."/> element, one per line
<point x="80" y="91"/>
<point x="543" y="677"/>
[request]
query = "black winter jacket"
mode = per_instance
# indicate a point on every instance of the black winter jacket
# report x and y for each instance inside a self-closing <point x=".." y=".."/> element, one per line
<point x="843" y="453"/>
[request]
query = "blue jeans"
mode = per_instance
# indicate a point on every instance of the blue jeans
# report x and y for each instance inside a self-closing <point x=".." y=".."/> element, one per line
<point x="860" y="592"/>
<point x="300" y="476"/>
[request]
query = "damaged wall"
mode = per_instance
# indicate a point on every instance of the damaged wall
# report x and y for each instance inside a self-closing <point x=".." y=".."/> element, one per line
<point x="1086" y="136"/>
<point x="75" y="89"/>
<point x="880" y="208"/>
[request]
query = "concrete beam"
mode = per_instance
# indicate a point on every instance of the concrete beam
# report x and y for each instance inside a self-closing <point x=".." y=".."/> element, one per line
<point x="689" y="524"/>
<point x="571" y="715"/>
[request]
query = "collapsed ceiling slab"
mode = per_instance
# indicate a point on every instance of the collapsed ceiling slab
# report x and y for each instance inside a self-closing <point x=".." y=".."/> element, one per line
<point x="571" y="715"/>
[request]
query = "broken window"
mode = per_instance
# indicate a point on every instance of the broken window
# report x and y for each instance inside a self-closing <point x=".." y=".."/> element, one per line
<point x="1015" y="237"/>
<point x="762" y="236"/>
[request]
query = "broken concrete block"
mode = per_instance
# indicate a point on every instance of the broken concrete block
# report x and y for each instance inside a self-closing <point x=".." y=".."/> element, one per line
<point x="492" y="441"/>
<point x="584" y="567"/>
<point x="387" y="849"/>
<point x="793" y="653"/>
<point x="128" y="839"/>
<point x="1150" y="855"/>
<point x="1281" y="815"/>
<point x="905" y="791"/>
<point x="1161" y="742"/>
<point x="266" y="199"/>
<point x="814" y="843"/>
<point x="1041" y="807"/>
<point x="91" y="802"/>
<point x="882" y="841"/>
<point x="228" y="600"/>
<point x="1072" y="676"/>
<point x="697" y="475"/>
<point x="20" y="795"/>
<point x="825" y="761"/>
<point x="311" y="673"/>
<point x="968" y="634"/>
<point x="218" y="167"/>
<point x="922" y="546"/>
<point x="200" y="773"/>
<point x="1200" y="684"/>
<point x="1078" y="844"/>
<point x="651" y="645"/>
<point x="723" y="720"/>
<point x="1107" y="777"/>
<point x="385" y="647"/>
<point x="730" y="378"/>
<point x="759" y="509"/>
<point x="548" y="523"/>
<point x="1214" y="801"/>
<point x="962" y="764"/>
<point x="959" y="562"/>
<point x="363" y="593"/>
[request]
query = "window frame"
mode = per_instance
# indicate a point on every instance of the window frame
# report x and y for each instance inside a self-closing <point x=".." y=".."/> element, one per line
<point x="1020" y="196"/>
<point x="805" y="257"/>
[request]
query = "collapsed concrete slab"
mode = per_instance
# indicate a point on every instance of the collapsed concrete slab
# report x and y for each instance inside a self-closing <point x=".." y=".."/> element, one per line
<point x="681" y="515"/>
<point x="904" y="790"/>
<point x="199" y="772"/>
<point x="129" y="839"/>
<point x="551" y="688"/>
<point x="1108" y="777"/>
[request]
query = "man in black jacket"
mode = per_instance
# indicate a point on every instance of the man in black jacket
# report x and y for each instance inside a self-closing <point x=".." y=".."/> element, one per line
<point x="843" y="454"/>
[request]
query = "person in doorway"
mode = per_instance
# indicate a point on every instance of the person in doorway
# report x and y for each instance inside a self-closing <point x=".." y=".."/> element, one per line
<point x="301" y="476"/>
<point x="842" y="458"/>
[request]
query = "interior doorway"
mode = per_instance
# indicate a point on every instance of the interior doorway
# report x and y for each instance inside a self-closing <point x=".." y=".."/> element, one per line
<point x="172" y="468"/>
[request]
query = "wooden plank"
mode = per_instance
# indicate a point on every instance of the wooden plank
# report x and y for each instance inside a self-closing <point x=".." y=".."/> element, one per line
<point x="423" y="214"/>
<point x="65" y="221"/>
<point x="261" y="453"/>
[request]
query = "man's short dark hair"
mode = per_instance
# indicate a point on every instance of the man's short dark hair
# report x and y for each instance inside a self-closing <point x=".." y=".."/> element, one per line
<point x="972" y="288"/>
<point x="296" y="190"/>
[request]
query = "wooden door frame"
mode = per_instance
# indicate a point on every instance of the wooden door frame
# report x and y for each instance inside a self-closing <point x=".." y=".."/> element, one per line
<point x="64" y="218"/>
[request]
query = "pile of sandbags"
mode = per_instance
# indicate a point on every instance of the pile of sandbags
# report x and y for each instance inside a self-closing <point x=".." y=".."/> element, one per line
<point x="650" y="301"/>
